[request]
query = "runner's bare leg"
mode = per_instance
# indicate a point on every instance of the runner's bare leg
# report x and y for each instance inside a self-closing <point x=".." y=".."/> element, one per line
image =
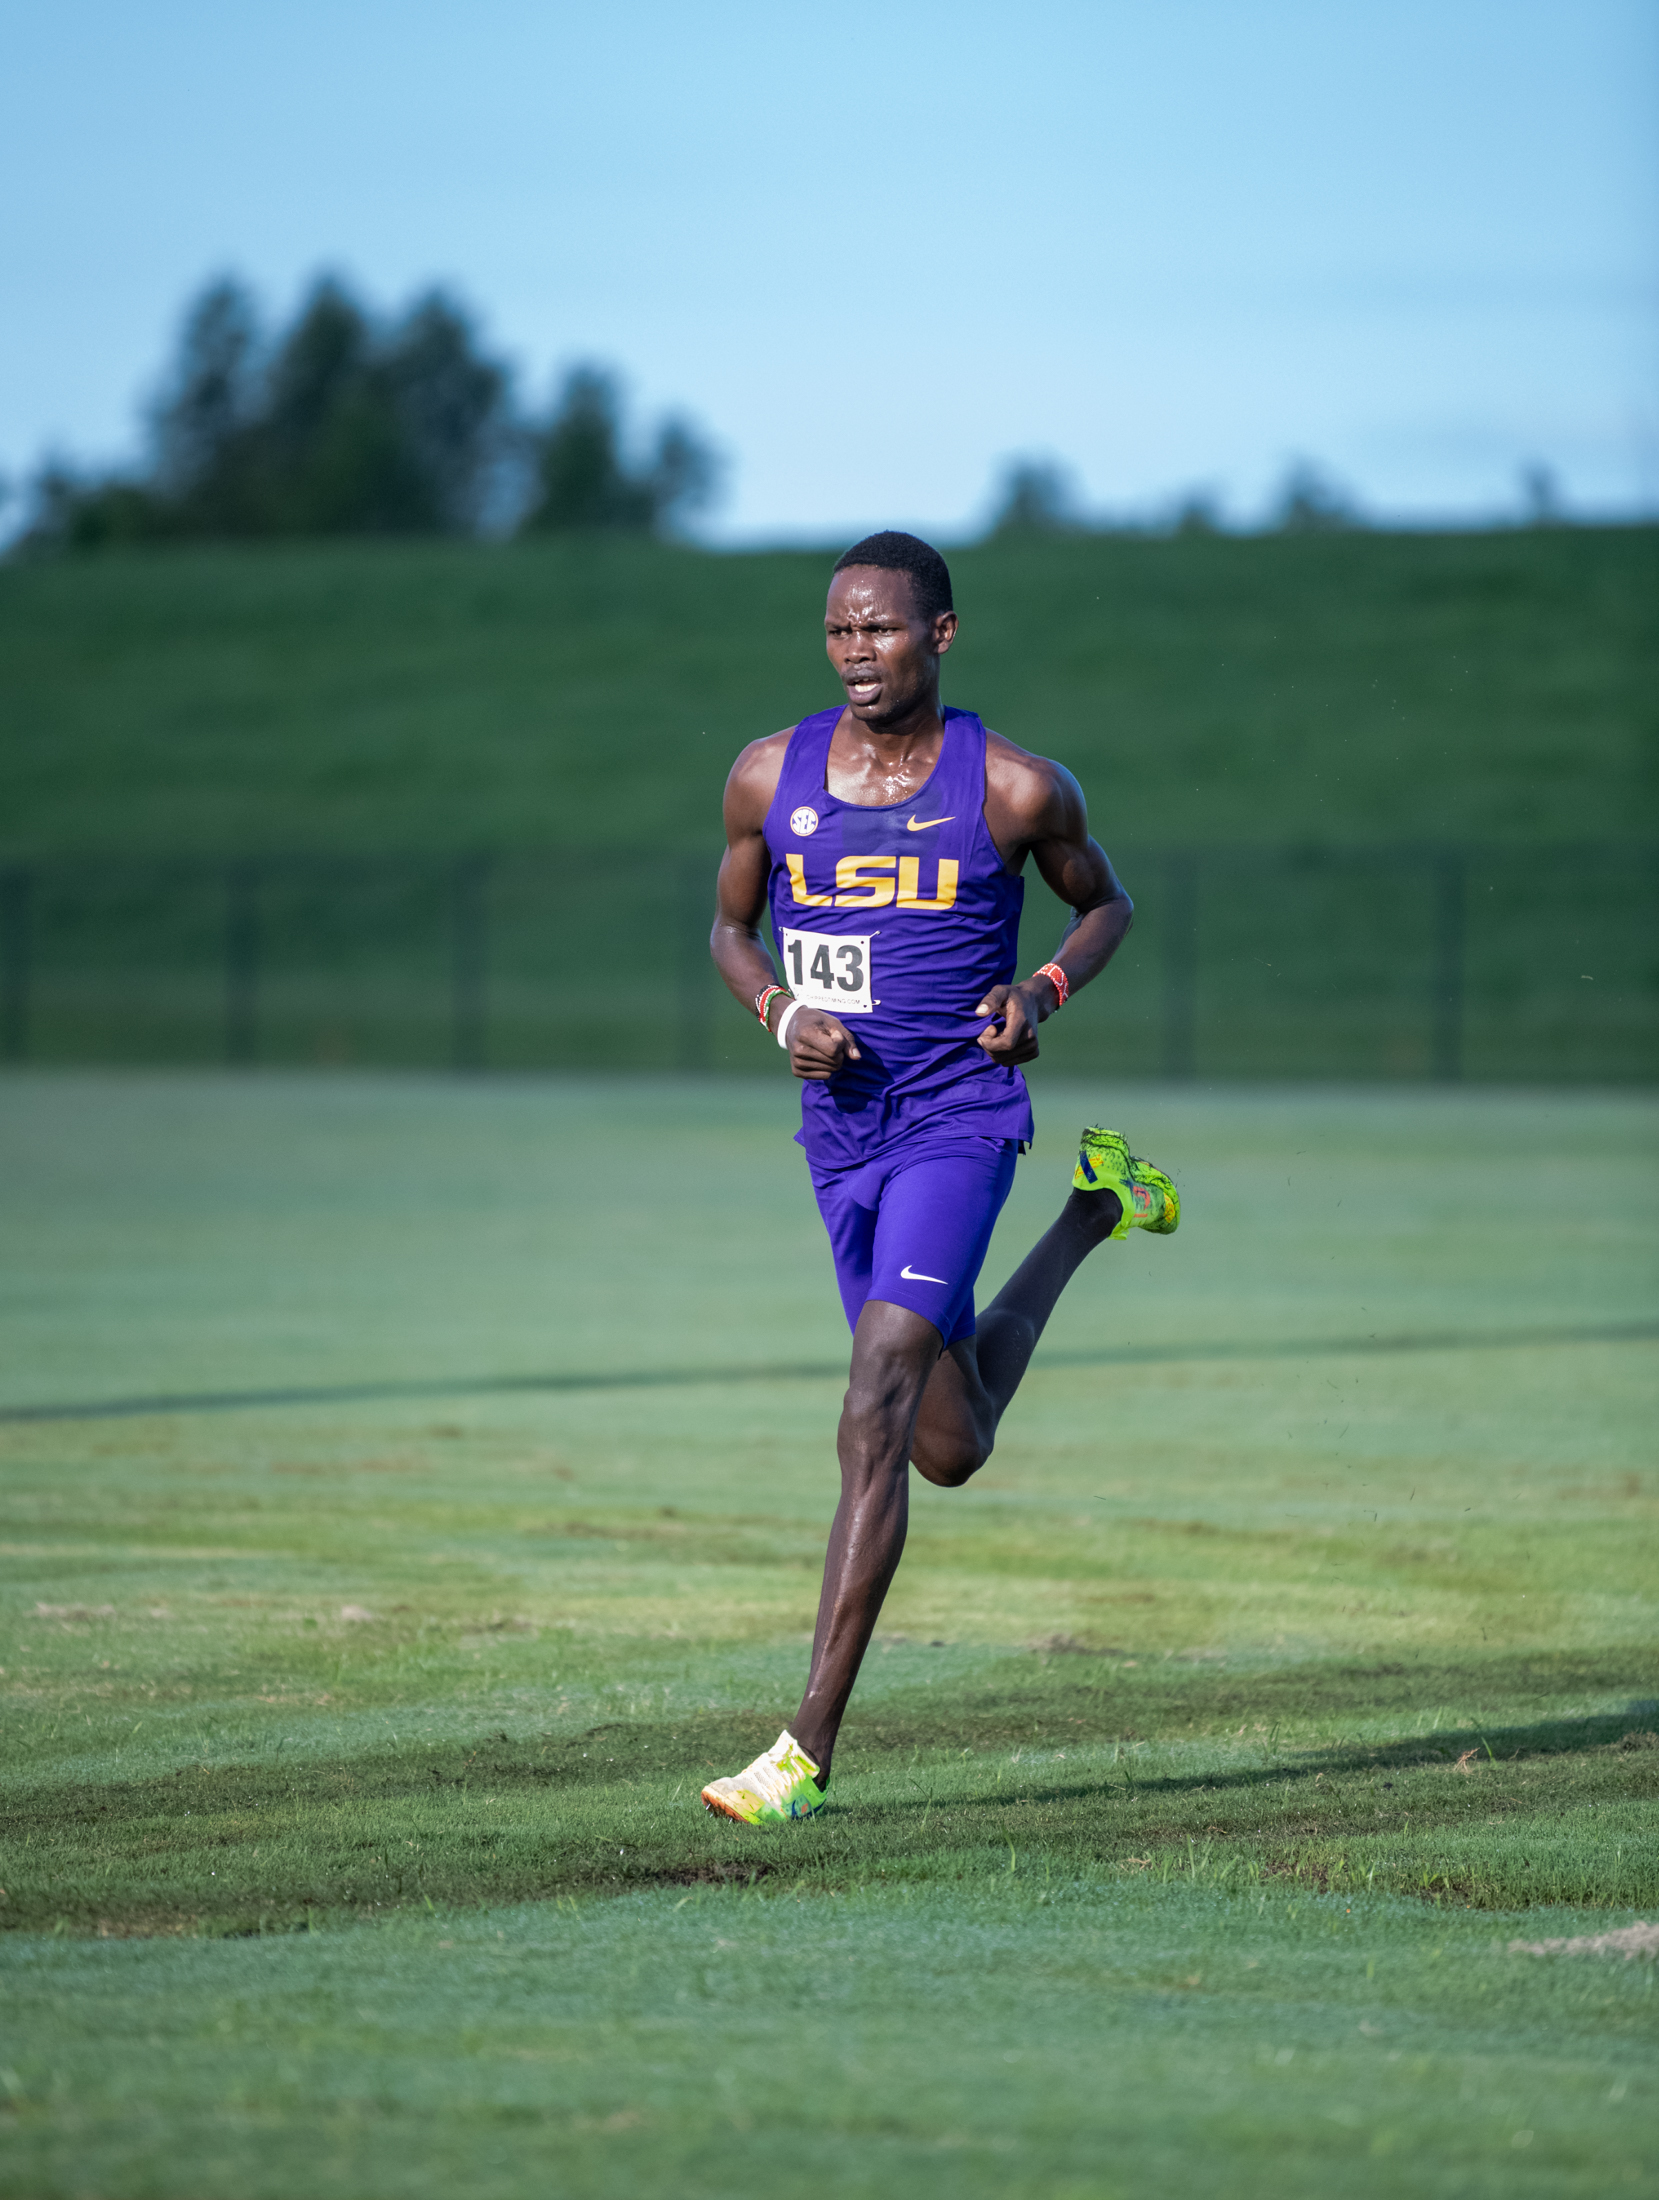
<point x="974" y="1381"/>
<point x="894" y="1354"/>
<point x="905" y="1400"/>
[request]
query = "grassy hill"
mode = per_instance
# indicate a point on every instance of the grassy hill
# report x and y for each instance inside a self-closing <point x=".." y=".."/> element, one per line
<point x="360" y="715"/>
<point x="1363" y="687"/>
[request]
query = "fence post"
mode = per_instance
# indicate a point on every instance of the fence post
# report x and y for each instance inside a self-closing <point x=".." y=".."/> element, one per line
<point x="242" y="963"/>
<point x="695" y="920"/>
<point x="1180" y="1048"/>
<point x="16" y="892"/>
<point x="469" y="969"/>
<point x="1450" y="925"/>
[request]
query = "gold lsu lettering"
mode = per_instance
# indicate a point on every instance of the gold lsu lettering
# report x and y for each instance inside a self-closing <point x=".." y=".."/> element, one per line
<point x="865" y="882"/>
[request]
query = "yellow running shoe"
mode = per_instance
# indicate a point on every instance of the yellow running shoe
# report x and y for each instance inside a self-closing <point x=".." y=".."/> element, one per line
<point x="781" y="1785"/>
<point x="1148" y="1199"/>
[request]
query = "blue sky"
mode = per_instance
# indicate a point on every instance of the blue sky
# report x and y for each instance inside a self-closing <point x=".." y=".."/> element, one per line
<point x="878" y="252"/>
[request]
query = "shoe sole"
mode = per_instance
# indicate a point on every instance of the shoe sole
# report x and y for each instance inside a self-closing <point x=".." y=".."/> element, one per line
<point x="1172" y="1199"/>
<point x="718" y="1807"/>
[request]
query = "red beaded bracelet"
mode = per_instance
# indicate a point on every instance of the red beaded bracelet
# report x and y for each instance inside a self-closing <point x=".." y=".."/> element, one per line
<point x="1056" y="978"/>
<point x="763" y="1002"/>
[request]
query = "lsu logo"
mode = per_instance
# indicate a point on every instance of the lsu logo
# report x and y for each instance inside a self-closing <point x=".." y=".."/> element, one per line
<point x="868" y="882"/>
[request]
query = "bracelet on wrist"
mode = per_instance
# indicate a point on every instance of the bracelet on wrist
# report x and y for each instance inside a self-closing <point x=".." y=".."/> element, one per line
<point x="1058" y="979"/>
<point x="763" y="1002"/>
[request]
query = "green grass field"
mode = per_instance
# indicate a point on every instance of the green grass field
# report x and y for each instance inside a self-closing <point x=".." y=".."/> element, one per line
<point x="1293" y="1656"/>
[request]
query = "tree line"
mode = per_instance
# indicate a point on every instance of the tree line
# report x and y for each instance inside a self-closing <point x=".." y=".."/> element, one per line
<point x="1038" y="497"/>
<point x="348" y="423"/>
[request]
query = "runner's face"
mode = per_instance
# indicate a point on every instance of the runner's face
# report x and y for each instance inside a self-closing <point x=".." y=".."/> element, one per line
<point x="887" y="657"/>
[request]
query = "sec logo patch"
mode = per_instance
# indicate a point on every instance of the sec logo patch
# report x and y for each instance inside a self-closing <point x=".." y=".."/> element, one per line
<point x="803" y="821"/>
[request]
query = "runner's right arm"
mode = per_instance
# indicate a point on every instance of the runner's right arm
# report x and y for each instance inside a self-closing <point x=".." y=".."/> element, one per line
<point x="818" y="1043"/>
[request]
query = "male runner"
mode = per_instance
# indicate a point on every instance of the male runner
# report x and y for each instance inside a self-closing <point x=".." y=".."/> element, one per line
<point x="888" y="835"/>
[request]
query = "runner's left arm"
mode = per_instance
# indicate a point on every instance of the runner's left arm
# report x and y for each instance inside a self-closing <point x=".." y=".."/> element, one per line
<point x="1041" y="812"/>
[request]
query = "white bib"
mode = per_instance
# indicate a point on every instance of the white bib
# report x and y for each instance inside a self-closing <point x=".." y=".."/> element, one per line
<point x="829" y="970"/>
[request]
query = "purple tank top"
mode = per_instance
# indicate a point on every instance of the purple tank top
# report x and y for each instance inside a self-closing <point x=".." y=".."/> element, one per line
<point x="896" y="920"/>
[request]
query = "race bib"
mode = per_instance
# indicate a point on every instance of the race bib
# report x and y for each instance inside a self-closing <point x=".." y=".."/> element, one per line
<point x="829" y="970"/>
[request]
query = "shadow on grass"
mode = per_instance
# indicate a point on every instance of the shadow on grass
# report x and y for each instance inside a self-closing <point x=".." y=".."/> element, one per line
<point x="790" y="1371"/>
<point x="1478" y="1743"/>
<point x="264" y="1846"/>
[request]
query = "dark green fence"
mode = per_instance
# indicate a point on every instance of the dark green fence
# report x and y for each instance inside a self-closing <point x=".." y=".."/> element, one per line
<point x="1532" y="964"/>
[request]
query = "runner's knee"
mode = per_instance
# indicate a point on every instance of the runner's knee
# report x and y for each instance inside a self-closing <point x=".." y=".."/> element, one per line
<point x="875" y="1420"/>
<point x="873" y="1430"/>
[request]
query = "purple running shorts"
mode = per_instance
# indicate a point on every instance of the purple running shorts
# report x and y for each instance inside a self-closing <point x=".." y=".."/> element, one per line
<point x="914" y="1227"/>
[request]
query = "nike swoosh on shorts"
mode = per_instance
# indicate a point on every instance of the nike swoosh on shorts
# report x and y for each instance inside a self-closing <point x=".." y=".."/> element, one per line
<point x="910" y="1276"/>
<point x="913" y="827"/>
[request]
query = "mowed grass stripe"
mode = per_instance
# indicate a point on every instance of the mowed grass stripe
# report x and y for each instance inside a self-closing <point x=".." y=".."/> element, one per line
<point x="1065" y="1758"/>
<point x="1012" y="2035"/>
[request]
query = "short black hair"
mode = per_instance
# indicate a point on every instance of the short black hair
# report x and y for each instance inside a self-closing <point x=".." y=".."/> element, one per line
<point x="896" y="553"/>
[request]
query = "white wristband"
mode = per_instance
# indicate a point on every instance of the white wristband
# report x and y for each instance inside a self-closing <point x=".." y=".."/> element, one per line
<point x="784" y="1022"/>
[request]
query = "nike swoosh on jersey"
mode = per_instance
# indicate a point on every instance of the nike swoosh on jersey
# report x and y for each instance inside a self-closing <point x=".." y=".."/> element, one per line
<point x="913" y="827"/>
<point x="910" y="1275"/>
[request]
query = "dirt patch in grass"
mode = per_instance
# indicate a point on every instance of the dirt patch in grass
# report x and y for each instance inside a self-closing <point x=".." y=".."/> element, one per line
<point x="1629" y="1941"/>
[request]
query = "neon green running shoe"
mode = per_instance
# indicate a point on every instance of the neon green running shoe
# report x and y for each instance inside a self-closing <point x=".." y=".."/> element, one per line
<point x="781" y="1785"/>
<point x="1148" y="1199"/>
